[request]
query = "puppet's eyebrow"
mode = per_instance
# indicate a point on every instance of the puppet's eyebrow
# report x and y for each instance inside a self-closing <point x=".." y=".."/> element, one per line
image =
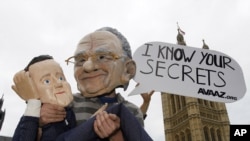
<point x="80" y="53"/>
<point x="99" y="50"/>
<point x="46" y="75"/>
<point x="102" y="50"/>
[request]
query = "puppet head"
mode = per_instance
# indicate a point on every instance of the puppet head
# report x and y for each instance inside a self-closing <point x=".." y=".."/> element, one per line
<point x="49" y="80"/>
<point x="101" y="63"/>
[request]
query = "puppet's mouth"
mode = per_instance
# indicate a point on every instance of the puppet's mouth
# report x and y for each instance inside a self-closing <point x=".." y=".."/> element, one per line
<point x="92" y="75"/>
<point x="62" y="92"/>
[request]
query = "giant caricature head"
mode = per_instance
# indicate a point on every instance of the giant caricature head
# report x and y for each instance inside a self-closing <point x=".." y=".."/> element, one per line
<point x="49" y="79"/>
<point x="102" y="64"/>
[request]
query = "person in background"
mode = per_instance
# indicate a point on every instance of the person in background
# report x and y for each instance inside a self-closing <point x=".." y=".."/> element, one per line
<point x="146" y="101"/>
<point x="102" y="62"/>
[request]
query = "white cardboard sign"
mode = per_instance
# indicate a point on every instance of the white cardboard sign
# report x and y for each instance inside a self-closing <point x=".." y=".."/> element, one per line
<point x="188" y="71"/>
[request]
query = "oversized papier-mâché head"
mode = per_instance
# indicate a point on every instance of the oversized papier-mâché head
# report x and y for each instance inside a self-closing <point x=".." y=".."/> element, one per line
<point x="102" y="63"/>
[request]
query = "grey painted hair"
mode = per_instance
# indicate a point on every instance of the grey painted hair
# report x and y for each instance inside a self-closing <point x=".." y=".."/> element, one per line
<point x="125" y="44"/>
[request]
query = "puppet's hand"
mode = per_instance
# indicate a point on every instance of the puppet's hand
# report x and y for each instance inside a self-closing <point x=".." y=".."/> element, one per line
<point x="24" y="86"/>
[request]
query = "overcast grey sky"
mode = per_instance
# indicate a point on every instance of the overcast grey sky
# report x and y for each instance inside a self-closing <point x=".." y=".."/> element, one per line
<point x="32" y="27"/>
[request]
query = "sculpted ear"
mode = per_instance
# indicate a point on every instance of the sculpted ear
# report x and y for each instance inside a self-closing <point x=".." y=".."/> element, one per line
<point x="129" y="72"/>
<point x="131" y="68"/>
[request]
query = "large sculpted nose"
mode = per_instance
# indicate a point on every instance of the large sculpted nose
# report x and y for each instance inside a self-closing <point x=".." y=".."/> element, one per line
<point x="89" y="65"/>
<point x="57" y="82"/>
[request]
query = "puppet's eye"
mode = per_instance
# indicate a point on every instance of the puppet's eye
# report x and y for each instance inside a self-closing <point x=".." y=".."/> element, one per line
<point x="61" y="78"/>
<point x="46" y="81"/>
<point x="104" y="57"/>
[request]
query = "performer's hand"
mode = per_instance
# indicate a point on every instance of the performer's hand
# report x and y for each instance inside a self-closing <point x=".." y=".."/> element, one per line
<point x="103" y="108"/>
<point x="117" y="136"/>
<point x="106" y="124"/>
<point x="24" y="86"/>
<point x="51" y="113"/>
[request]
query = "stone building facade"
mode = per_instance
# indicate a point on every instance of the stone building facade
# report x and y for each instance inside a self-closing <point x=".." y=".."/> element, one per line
<point x="192" y="119"/>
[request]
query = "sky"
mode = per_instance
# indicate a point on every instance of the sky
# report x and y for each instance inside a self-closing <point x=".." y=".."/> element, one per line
<point x="32" y="27"/>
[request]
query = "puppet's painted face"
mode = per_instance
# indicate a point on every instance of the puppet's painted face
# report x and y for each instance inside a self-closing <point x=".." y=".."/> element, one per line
<point x="51" y="83"/>
<point x="100" y="65"/>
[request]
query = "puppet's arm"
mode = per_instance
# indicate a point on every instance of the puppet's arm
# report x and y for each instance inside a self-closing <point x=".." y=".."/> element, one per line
<point x="27" y="127"/>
